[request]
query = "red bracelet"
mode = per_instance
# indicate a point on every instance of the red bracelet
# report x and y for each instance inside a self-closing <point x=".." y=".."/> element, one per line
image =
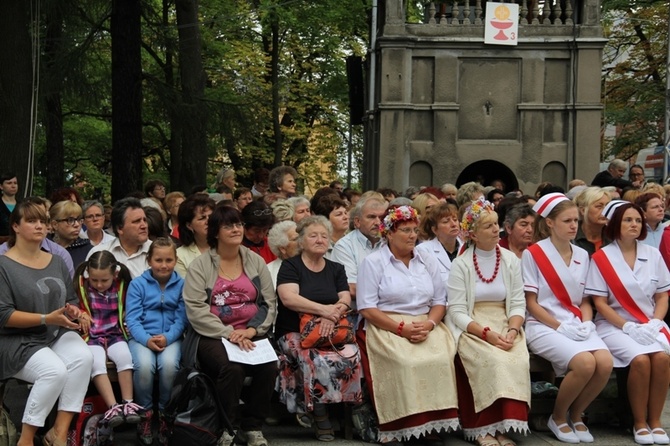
<point x="398" y="330"/>
<point x="484" y="331"/>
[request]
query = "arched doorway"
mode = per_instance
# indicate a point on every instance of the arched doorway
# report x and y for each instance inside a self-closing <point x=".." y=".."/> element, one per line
<point x="486" y="171"/>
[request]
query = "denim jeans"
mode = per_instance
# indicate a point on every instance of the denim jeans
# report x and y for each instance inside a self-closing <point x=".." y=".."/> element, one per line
<point x="146" y="363"/>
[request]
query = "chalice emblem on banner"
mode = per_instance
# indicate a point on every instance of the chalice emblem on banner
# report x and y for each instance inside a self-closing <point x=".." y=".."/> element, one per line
<point x="502" y="23"/>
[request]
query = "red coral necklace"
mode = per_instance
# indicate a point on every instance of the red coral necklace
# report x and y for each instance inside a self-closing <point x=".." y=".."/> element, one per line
<point x="479" y="272"/>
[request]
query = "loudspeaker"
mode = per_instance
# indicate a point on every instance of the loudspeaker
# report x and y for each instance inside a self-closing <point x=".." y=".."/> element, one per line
<point x="356" y="89"/>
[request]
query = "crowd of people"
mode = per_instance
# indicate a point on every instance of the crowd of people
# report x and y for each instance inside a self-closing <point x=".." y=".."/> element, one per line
<point x="426" y="303"/>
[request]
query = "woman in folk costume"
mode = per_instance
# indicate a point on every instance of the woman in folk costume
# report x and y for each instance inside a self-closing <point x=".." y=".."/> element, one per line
<point x="408" y="353"/>
<point x="486" y="311"/>
<point x="629" y="284"/>
<point x="559" y="324"/>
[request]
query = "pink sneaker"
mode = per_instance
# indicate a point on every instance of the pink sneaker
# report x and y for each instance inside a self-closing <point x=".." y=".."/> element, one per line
<point x="131" y="412"/>
<point x="114" y="416"/>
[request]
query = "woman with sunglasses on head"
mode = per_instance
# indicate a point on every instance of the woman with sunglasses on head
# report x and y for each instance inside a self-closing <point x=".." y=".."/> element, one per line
<point x="66" y="221"/>
<point x="94" y="219"/>
<point x="402" y="297"/>
<point x="229" y="294"/>
<point x="487" y="308"/>
<point x="39" y="312"/>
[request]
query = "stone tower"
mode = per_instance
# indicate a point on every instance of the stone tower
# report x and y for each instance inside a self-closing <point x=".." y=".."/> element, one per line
<point x="449" y="108"/>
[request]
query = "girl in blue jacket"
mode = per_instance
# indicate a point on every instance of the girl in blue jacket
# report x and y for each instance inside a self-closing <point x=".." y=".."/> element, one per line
<point x="156" y="320"/>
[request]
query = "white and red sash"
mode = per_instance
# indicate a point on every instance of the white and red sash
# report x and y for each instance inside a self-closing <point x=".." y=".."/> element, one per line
<point x="559" y="287"/>
<point x="613" y="267"/>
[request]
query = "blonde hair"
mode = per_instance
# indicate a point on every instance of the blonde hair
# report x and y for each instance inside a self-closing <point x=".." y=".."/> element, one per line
<point x="421" y="201"/>
<point x="589" y="196"/>
<point x="631" y="195"/>
<point x="655" y="188"/>
<point x="64" y="209"/>
<point x="467" y="192"/>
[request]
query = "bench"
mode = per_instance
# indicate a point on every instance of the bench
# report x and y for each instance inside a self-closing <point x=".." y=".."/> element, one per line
<point x="606" y="405"/>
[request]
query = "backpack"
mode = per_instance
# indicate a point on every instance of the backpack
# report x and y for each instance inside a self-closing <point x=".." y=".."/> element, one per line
<point x="8" y="434"/>
<point x="86" y="428"/>
<point x="194" y="413"/>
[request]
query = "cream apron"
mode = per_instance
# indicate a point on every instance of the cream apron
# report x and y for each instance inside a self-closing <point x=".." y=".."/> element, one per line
<point x="492" y="372"/>
<point x="409" y="378"/>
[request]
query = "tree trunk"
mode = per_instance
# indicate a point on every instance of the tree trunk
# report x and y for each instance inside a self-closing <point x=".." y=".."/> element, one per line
<point x="275" y="90"/>
<point x="174" y="141"/>
<point x="15" y="91"/>
<point x="55" y="153"/>
<point x="126" y="98"/>
<point x="193" y="113"/>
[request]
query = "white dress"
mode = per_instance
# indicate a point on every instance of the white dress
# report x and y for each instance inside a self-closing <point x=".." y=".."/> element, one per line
<point x="648" y="277"/>
<point x="543" y="340"/>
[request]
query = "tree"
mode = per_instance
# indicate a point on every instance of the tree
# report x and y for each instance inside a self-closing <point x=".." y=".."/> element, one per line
<point x="16" y="88"/>
<point x="634" y="83"/>
<point x="194" y="111"/>
<point x="197" y="84"/>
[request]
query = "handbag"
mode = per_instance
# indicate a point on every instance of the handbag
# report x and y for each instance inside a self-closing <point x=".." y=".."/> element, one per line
<point x="310" y="337"/>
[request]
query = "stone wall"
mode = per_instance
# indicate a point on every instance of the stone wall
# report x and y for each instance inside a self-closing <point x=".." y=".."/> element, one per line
<point x="451" y="109"/>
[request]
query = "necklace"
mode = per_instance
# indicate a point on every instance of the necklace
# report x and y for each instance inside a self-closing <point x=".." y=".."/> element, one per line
<point x="495" y="271"/>
<point x="223" y="273"/>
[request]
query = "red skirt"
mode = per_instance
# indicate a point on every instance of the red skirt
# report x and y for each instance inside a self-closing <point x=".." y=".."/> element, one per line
<point x="503" y="415"/>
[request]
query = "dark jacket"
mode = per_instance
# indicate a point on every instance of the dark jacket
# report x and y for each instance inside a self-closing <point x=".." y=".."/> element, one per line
<point x="605" y="179"/>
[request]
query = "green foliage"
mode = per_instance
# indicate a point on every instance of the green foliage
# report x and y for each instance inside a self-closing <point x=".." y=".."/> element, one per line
<point x="315" y="37"/>
<point x="634" y="74"/>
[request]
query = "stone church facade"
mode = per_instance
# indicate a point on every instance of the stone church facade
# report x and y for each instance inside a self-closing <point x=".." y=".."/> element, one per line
<point x="449" y="108"/>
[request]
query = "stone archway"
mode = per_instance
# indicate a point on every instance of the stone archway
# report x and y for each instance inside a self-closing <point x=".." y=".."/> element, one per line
<point x="486" y="171"/>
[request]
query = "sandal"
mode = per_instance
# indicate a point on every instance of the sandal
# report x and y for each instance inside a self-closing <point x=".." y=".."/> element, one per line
<point x="323" y="428"/>
<point x="487" y="442"/>
<point x="504" y="441"/>
<point x="51" y="440"/>
<point x="304" y="419"/>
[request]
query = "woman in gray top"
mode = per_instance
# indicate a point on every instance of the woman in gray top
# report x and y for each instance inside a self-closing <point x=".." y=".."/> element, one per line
<point x="38" y="316"/>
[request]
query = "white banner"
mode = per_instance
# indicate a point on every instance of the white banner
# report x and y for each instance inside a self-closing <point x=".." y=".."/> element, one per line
<point x="501" y="23"/>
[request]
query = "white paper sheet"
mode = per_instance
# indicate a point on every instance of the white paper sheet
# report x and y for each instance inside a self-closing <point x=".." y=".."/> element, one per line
<point x="261" y="354"/>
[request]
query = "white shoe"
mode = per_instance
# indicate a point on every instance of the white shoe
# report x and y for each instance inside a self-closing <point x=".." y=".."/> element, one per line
<point x="226" y="439"/>
<point x="252" y="438"/>
<point x="640" y="438"/>
<point x="565" y="437"/>
<point x="584" y="436"/>
<point x="660" y="436"/>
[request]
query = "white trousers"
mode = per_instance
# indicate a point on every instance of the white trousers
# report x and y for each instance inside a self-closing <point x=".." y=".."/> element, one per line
<point x="60" y="372"/>
<point x="118" y="353"/>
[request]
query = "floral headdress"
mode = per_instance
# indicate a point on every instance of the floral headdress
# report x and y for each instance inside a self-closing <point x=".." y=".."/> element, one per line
<point x="397" y="215"/>
<point x="473" y="212"/>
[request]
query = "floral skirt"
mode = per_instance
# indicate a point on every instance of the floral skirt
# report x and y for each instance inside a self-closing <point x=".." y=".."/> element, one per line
<point x="312" y="376"/>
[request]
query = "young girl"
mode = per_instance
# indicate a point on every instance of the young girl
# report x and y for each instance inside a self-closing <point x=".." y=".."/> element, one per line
<point x="156" y="320"/>
<point x="559" y="324"/>
<point x="101" y="284"/>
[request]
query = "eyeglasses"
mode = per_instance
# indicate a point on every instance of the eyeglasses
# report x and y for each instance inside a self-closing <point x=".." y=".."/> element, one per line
<point x="93" y="216"/>
<point x="260" y="212"/>
<point x="71" y="221"/>
<point x="408" y="231"/>
<point x="232" y="226"/>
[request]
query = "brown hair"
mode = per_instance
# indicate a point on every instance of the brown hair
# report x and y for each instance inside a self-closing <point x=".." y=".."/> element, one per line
<point x="27" y="209"/>
<point x="161" y="242"/>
